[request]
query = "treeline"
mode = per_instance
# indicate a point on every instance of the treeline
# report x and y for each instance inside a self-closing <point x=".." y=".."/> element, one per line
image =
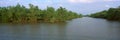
<point x="21" y="14"/>
<point x="110" y="14"/>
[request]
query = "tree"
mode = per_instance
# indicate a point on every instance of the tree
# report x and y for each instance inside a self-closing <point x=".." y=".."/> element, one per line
<point x="110" y="14"/>
<point x="21" y="14"/>
<point x="32" y="13"/>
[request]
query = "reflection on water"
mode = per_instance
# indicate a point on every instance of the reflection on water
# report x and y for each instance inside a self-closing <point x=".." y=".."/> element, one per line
<point x="85" y="28"/>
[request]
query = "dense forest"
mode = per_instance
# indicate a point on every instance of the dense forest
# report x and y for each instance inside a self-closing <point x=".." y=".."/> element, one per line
<point x="110" y="14"/>
<point x="21" y="14"/>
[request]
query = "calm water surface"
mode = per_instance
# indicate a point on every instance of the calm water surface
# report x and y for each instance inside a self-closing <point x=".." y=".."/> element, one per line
<point x="85" y="28"/>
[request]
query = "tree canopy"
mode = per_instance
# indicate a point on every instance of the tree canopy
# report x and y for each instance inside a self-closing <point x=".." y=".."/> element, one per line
<point x="21" y="14"/>
<point x="110" y="14"/>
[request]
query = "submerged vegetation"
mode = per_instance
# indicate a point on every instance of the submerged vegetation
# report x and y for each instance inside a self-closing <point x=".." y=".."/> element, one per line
<point x="21" y="14"/>
<point x="110" y="14"/>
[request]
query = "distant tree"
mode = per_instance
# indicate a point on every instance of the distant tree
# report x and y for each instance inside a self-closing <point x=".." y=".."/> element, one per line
<point x="110" y="14"/>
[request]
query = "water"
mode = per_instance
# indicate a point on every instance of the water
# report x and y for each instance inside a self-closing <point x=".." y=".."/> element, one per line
<point x="85" y="28"/>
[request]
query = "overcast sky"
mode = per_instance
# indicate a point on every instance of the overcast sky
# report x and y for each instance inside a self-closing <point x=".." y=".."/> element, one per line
<point x="79" y="6"/>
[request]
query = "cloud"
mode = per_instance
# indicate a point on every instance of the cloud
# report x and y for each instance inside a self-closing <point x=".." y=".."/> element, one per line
<point x="89" y="1"/>
<point x="111" y="0"/>
<point x="108" y="6"/>
<point x="15" y="0"/>
<point x="18" y="0"/>
<point x="81" y="1"/>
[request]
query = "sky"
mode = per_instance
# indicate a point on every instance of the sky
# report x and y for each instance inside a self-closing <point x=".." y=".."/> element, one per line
<point x="80" y="6"/>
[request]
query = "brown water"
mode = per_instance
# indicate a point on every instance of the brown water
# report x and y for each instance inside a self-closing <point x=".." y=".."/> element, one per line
<point x="85" y="28"/>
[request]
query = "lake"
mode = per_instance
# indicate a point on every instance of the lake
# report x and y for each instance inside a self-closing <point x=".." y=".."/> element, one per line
<point x="85" y="28"/>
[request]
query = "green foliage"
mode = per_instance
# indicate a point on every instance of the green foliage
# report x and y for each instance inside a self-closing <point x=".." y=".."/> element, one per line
<point x="21" y="14"/>
<point x="101" y="14"/>
<point x="111" y="14"/>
